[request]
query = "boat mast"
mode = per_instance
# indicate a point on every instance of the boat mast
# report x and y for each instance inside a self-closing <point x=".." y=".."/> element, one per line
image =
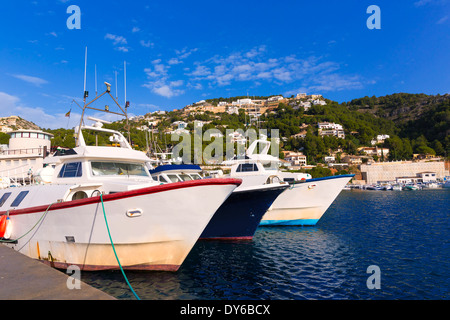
<point x="125" y="99"/>
<point x="87" y="105"/>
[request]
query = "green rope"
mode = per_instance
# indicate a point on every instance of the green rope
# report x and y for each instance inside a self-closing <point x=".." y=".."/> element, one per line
<point x="114" y="249"/>
<point x="43" y="215"/>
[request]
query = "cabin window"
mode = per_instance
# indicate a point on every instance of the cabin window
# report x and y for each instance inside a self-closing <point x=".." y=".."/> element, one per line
<point x="273" y="165"/>
<point x="162" y="179"/>
<point x="79" y="195"/>
<point x="173" y="178"/>
<point x="118" y="168"/>
<point x="71" y="170"/>
<point x="19" y="198"/>
<point x="4" y="198"/>
<point x="247" y="167"/>
<point x="185" y="177"/>
<point x="196" y="176"/>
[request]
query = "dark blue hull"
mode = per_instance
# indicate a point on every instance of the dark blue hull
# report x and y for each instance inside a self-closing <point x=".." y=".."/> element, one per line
<point x="239" y="216"/>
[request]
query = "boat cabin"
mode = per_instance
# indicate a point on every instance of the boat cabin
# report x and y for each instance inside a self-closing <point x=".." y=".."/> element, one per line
<point x="176" y="173"/>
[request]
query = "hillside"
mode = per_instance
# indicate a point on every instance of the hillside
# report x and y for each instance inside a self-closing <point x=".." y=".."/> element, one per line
<point x="416" y="124"/>
<point x="413" y="114"/>
<point x="16" y="123"/>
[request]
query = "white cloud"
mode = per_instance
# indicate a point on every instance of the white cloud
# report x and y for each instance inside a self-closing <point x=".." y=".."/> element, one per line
<point x="116" y="39"/>
<point x="12" y="105"/>
<point x="166" y="91"/>
<point x="135" y="29"/>
<point x="175" y="61"/>
<point x="30" y="79"/>
<point x="442" y="20"/>
<point x="159" y="80"/>
<point x="146" y="44"/>
<point x="184" y="53"/>
<point x="254" y="65"/>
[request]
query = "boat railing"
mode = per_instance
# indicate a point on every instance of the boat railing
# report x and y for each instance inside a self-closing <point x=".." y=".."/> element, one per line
<point x="21" y="175"/>
<point x="35" y="151"/>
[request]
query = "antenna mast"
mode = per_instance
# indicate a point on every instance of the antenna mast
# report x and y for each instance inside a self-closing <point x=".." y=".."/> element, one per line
<point x="95" y="80"/>
<point x="126" y="102"/>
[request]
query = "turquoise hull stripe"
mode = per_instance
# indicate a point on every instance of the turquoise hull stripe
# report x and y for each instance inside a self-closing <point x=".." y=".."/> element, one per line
<point x="297" y="222"/>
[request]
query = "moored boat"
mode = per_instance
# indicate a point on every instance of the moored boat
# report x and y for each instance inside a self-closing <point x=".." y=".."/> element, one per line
<point x="97" y="207"/>
<point x="306" y="199"/>
<point x="241" y="213"/>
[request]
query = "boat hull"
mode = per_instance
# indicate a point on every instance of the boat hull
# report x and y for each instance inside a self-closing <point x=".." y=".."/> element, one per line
<point x="239" y="216"/>
<point x="169" y="221"/>
<point x="304" y="203"/>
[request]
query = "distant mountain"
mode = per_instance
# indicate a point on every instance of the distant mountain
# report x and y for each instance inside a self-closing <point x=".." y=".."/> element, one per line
<point x="15" y="123"/>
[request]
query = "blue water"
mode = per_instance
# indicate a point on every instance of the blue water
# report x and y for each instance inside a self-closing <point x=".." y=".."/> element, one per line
<point x="405" y="233"/>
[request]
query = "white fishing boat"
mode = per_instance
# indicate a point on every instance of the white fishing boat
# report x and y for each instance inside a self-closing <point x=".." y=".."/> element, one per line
<point x="239" y="216"/>
<point x="97" y="207"/>
<point x="306" y="199"/>
<point x="397" y="187"/>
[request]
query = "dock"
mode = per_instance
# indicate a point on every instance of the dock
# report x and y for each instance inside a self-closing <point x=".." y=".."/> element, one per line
<point x="23" y="278"/>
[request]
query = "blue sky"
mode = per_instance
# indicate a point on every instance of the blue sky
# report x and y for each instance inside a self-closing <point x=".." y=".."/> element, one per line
<point x="180" y="52"/>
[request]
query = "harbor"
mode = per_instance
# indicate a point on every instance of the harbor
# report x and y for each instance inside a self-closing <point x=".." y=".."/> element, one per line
<point x="197" y="158"/>
<point x="328" y="261"/>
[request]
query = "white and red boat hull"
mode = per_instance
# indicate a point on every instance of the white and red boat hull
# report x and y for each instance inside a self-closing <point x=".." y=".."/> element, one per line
<point x="170" y="220"/>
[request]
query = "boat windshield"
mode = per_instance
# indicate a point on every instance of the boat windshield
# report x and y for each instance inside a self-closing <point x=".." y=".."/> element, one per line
<point x="272" y="165"/>
<point x="108" y="168"/>
<point x="173" y="178"/>
<point x="185" y="177"/>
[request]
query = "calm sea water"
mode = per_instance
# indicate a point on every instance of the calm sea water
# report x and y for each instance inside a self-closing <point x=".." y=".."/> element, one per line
<point x="405" y="233"/>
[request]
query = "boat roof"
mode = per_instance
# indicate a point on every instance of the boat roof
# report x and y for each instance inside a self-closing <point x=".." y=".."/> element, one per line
<point x="175" y="167"/>
<point x="100" y="153"/>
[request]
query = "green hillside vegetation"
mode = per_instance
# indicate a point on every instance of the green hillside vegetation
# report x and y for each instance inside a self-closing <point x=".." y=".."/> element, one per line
<point x="416" y="124"/>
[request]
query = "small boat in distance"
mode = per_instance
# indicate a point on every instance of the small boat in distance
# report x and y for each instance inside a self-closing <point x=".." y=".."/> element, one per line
<point x="411" y="187"/>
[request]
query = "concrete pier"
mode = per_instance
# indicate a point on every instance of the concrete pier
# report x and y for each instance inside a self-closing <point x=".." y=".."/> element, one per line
<point x="23" y="278"/>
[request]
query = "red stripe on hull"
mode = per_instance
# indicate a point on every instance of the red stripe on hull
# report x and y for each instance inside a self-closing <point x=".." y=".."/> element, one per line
<point x="127" y="194"/>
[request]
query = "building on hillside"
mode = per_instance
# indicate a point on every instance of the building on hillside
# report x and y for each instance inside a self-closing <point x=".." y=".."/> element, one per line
<point x="331" y="129"/>
<point x="318" y="102"/>
<point x="352" y="160"/>
<point x="375" y="151"/>
<point x="390" y="171"/>
<point x="295" y="158"/>
<point x="379" y="139"/>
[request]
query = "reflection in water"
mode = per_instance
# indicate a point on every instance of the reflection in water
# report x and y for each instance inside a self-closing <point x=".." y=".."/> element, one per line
<point x="404" y="233"/>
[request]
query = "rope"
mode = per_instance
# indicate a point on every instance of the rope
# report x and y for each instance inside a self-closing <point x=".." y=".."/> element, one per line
<point x="114" y="249"/>
<point x="43" y="215"/>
